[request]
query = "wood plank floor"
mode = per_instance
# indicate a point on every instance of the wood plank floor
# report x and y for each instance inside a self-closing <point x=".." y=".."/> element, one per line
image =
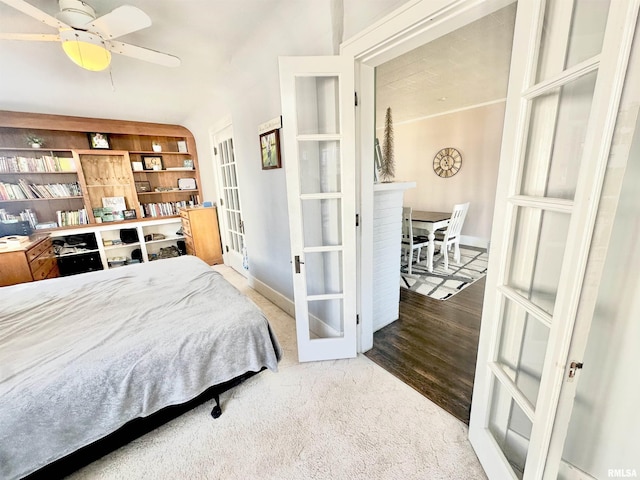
<point x="433" y="345"/>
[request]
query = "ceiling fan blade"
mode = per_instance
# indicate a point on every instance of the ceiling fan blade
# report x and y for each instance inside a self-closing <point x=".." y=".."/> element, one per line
<point x="145" y="54"/>
<point x="31" y="37"/>
<point x="36" y="13"/>
<point x="118" y="22"/>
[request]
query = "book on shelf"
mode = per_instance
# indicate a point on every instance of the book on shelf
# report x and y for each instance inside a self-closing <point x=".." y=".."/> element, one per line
<point x="66" y="164"/>
<point x="11" y="191"/>
<point x="44" y="164"/>
<point x="72" y="217"/>
<point x="24" y="190"/>
<point x="44" y="225"/>
<point x="163" y="209"/>
<point x="27" y="215"/>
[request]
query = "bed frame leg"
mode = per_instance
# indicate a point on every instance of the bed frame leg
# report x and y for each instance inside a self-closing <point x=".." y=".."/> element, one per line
<point x="217" y="411"/>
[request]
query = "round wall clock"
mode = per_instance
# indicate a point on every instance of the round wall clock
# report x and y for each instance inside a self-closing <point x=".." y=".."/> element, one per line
<point x="447" y="162"/>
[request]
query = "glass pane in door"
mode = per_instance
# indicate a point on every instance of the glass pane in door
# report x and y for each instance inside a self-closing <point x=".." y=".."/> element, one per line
<point x="583" y="39"/>
<point x="587" y="30"/>
<point x="326" y="319"/>
<point x="323" y="273"/>
<point x="322" y="222"/>
<point x="539" y="243"/>
<point x="319" y="166"/>
<point x="510" y="427"/>
<point x="317" y="102"/>
<point x="552" y="160"/>
<point x="523" y="345"/>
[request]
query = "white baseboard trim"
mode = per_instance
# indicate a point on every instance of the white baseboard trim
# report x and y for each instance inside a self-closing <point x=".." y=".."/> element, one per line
<point x="317" y="326"/>
<point x="474" y="241"/>
<point x="272" y="295"/>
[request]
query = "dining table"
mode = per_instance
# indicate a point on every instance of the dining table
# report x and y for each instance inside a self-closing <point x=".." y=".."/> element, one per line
<point x="430" y="222"/>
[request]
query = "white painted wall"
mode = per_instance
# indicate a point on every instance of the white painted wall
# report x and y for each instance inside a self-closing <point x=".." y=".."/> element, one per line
<point x="476" y="133"/>
<point x="250" y="94"/>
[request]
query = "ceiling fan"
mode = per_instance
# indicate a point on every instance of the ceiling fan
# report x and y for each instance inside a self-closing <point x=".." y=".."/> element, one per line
<point x="88" y="41"/>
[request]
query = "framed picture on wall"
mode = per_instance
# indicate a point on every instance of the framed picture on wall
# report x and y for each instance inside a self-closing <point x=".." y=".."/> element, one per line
<point x="270" y="149"/>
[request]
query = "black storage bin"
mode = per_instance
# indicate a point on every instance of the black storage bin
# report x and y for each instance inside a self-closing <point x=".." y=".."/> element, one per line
<point x="182" y="246"/>
<point x="15" y="228"/>
<point x="81" y="263"/>
<point x="85" y="240"/>
<point x="129" y="235"/>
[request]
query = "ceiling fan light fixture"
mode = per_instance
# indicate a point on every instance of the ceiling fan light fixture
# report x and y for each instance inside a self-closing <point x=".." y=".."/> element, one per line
<point x="85" y="49"/>
<point x="75" y="13"/>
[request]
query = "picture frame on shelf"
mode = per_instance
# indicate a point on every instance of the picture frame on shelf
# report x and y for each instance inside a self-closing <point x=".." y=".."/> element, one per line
<point x="129" y="214"/>
<point x="143" y="186"/>
<point x="187" y="163"/>
<point x="182" y="146"/>
<point x="270" y="149"/>
<point x="114" y="204"/>
<point x="136" y="166"/>
<point x="152" y="162"/>
<point x="187" y="184"/>
<point x="99" y="141"/>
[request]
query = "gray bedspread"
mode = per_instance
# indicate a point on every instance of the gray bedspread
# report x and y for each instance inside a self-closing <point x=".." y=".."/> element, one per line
<point x="80" y="356"/>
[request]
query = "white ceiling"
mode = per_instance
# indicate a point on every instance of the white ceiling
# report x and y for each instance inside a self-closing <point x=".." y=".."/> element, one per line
<point x="205" y="35"/>
<point x="466" y="67"/>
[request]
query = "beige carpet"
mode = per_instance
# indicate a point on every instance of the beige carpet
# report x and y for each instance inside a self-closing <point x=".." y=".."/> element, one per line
<point x="345" y="419"/>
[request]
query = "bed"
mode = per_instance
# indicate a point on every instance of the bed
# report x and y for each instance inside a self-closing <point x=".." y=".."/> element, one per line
<point x="82" y="356"/>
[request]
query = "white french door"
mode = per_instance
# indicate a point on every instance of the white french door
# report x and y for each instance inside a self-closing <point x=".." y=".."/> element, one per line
<point x="567" y="72"/>
<point x="319" y="155"/>
<point x="229" y="210"/>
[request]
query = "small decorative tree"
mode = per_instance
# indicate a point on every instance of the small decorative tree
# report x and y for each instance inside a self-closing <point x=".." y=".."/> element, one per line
<point x="387" y="170"/>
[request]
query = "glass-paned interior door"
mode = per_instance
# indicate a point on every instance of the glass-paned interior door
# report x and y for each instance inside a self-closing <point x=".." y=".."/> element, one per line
<point x="567" y="69"/>
<point x="318" y="128"/>
<point x="229" y="211"/>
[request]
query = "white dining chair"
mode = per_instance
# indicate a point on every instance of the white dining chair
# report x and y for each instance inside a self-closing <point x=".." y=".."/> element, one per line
<point x="451" y="236"/>
<point x="410" y="242"/>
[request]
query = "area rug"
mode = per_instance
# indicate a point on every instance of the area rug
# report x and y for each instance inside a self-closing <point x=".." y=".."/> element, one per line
<point x="443" y="285"/>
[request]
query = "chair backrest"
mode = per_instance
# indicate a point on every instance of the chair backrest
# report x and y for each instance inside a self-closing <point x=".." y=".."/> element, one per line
<point x="457" y="219"/>
<point x="407" y="229"/>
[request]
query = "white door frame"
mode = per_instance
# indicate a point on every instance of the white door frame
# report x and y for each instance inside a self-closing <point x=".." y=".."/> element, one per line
<point x="410" y="26"/>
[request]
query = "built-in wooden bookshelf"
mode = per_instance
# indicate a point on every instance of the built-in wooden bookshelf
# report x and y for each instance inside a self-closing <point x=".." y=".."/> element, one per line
<point x="66" y="157"/>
